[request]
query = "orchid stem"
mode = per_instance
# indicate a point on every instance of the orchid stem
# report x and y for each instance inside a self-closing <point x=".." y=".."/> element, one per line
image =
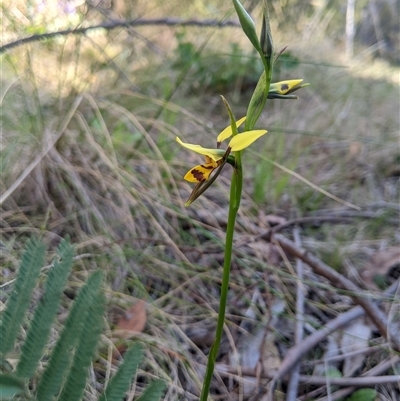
<point x="234" y="204"/>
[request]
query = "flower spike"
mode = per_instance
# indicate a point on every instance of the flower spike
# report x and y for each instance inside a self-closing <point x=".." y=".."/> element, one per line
<point x="215" y="157"/>
<point x="205" y="174"/>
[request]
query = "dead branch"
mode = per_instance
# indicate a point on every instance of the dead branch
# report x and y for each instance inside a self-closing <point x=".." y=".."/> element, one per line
<point x="301" y="349"/>
<point x="339" y="218"/>
<point x="365" y="381"/>
<point x="121" y="24"/>
<point x="299" y="331"/>
<point x="359" y="296"/>
<point x="379" y="369"/>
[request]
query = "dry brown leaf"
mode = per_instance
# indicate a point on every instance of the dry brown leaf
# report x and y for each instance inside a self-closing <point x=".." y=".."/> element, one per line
<point x="381" y="263"/>
<point x="355" y="149"/>
<point x="133" y="321"/>
<point x="266" y="251"/>
<point x="272" y="220"/>
<point x="355" y="338"/>
<point x="271" y="359"/>
<point x="247" y="355"/>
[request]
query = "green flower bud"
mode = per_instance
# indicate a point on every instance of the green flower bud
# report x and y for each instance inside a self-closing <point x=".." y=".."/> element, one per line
<point x="247" y="25"/>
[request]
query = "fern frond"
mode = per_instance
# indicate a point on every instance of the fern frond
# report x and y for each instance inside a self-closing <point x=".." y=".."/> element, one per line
<point x="45" y="312"/>
<point x="86" y="349"/>
<point x="153" y="392"/>
<point x="11" y="387"/>
<point x="61" y="357"/>
<point x="18" y="303"/>
<point x="121" y="381"/>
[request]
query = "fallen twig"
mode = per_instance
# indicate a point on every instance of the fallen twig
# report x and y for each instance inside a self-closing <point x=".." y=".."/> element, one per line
<point x="365" y="381"/>
<point x="303" y="221"/>
<point x="368" y="377"/>
<point x="301" y="349"/>
<point x="120" y="24"/>
<point x="344" y="210"/>
<point x="299" y="331"/>
<point x="339" y="218"/>
<point x="359" y="296"/>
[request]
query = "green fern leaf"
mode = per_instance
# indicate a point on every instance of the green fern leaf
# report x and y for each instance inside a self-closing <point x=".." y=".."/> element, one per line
<point x="45" y="312"/>
<point x="153" y="392"/>
<point x="61" y="357"/>
<point x="10" y="387"/>
<point x="120" y="383"/>
<point x="86" y="349"/>
<point x="17" y="305"/>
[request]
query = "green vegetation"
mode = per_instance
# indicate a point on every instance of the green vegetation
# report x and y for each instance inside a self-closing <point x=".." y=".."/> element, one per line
<point x="67" y="369"/>
<point x="88" y="152"/>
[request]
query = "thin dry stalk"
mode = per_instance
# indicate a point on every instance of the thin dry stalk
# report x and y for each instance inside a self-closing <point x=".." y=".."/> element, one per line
<point x="299" y="331"/>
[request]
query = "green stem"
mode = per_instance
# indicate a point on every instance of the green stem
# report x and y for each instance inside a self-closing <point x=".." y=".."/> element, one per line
<point x="234" y="203"/>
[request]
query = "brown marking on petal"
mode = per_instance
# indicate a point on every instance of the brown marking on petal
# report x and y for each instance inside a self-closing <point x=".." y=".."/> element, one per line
<point x="284" y="87"/>
<point x="207" y="167"/>
<point x="198" y="175"/>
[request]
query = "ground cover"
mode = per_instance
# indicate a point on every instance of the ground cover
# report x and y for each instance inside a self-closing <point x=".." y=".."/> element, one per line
<point x="89" y="152"/>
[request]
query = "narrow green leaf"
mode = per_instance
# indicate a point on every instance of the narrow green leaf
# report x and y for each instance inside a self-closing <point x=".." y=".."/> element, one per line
<point x="257" y="102"/>
<point x="10" y="386"/>
<point x="45" y="312"/>
<point x="17" y="305"/>
<point x="364" y="394"/>
<point x="231" y="117"/>
<point x="154" y="391"/>
<point x="120" y="383"/>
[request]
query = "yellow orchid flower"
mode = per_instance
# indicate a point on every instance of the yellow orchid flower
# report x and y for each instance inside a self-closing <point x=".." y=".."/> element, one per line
<point x="283" y="89"/>
<point x="202" y="172"/>
<point x="216" y="157"/>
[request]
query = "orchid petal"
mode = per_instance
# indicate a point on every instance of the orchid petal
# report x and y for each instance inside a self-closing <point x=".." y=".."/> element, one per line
<point x="242" y="141"/>
<point x="214" y="154"/>
<point x="284" y="87"/>
<point x="227" y="132"/>
<point x="201" y="172"/>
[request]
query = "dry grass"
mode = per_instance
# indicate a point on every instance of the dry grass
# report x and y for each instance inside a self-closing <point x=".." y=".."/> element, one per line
<point x="112" y="182"/>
